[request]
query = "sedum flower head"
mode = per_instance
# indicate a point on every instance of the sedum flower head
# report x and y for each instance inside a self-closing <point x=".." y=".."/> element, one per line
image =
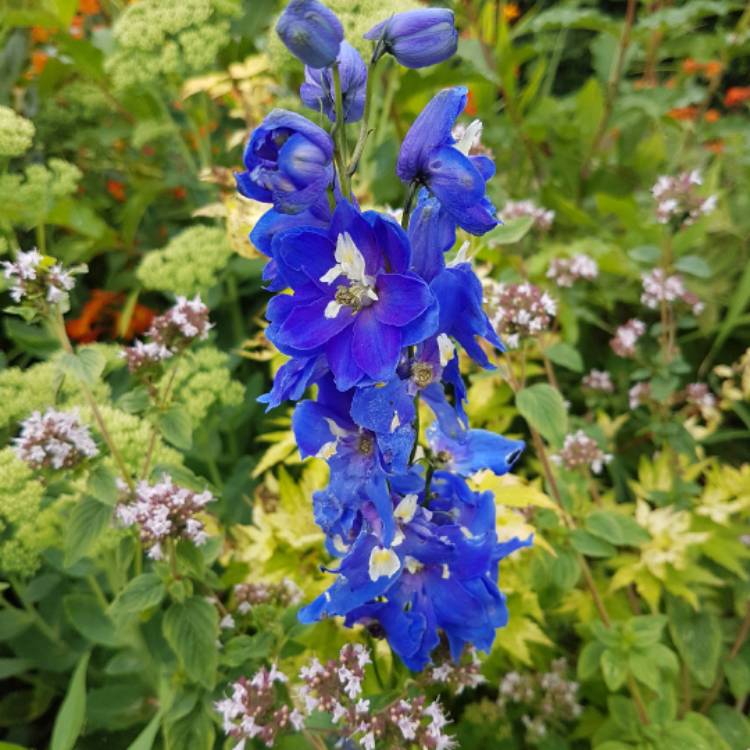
<point x="190" y="262"/>
<point x="54" y="440"/>
<point x="164" y="511"/>
<point x="16" y="133"/>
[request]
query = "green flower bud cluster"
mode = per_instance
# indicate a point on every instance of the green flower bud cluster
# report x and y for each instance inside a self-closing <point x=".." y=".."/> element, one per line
<point x="189" y="264"/>
<point x="20" y="501"/>
<point x="67" y="118"/>
<point x="168" y="39"/>
<point x="203" y="382"/>
<point x="16" y="133"/>
<point x="27" y="198"/>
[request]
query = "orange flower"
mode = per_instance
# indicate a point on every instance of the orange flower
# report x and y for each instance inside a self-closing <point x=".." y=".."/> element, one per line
<point x="511" y="11"/>
<point x="101" y="316"/>
<point x="116" y="190"/>
<point x="736" y="95"/>
<point x="77" y="27"/>
<point x="683" y="113"/>
<point x="88" y="7"/>
<point x="471" y="104"/>
<point x="179" y="193"/>
<point x="40" y="35"/>
<point x="140" y="321"/>
<point x="691" y="67"/>
<point x="713" y="68"/>
<point x="712" y="115"/>
<point x="38" y="62"/>
<point x="715" y="147"/>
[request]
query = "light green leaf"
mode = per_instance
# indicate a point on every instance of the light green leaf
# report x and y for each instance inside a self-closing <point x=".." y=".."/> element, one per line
<point x="616" y="528"/>
<point x="566" y="356"/>
<point x="102" y="486"/>
<point x="543" y="408"/>
<point x="88" y="520"/>
<point x="590" y="545"/>
<point x="145" y="740"/>
<point x="646" y="629"/>
<point x="177" y="427"/>
<point x="191" y="628"/>
<point x="697" y="636"/>
<point x="644" y="670"/>
<point x="514" y="230"/>
<point x="85" y="366"/>
<point x="194" y="731"/>
<point x="142" y="593"/>
<point x="614" y="668"/>
<point x="70" y="718"/>
<point x="588" y="661"/>
<point x="694" y="265"/>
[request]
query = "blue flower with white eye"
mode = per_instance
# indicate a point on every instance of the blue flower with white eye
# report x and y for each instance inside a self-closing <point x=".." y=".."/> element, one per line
<point x="439" y="574"/>
<point x="288" y="162"/>
<point x="354" y="298"/>
<point x="311" y="32"/>
<point x="317" y="91"/>
<point x="417" y="38"/>
<point x="432" y="157"/>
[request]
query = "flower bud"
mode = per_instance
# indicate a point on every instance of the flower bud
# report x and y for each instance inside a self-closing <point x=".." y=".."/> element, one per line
<point x="311" y="32"/>
<point x="417" y="38"/>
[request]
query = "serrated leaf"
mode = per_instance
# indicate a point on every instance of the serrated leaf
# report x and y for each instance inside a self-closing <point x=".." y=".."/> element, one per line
<point x="72" y="714"/>
<point x="191" y="629"/>
<point x="697" y="636"/>
<point x="177" y="427"/>
<point x="644" y="670"/>
<point x="142" y="593"/>
<point x="88" y="520"/>
<point x="102" y="485"/>
<point x="543" y="408"/>
<point x="85" y="366"/>
<point x="244" y="648"/>
<point x="646" y="629"/>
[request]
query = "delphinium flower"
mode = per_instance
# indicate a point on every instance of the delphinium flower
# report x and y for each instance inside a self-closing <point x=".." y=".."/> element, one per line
<point x="456" y="676"/>
<point x="371" y="313"/>
<point x="677" y="199"/>
<point x="54" y="440"/>
<point x="598" y="380"/>
<point x="639" y="395"/>
<point x="626" y="338"/>
<point x="37" y="279"/>
<point x="248" y="595"/>
<point x="255" y="710"/>
<point x="163" y="511"/>
<point x="519" y="311"/>
<point x="543" y="217"/>
<point x="658" y="287"/>
<point x="183" y="323"/>
<point x="580" y="451"/>
<point x="311" y="32"/>
<point x="566" y="271"/>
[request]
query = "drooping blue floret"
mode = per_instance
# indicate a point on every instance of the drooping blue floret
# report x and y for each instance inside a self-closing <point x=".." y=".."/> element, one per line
<point x="317" y="91"/>
<point x="288" y="162"/>
<point x="417" y="38"/>
<point x="311" y="32"/>
<point x="431" y="156"/>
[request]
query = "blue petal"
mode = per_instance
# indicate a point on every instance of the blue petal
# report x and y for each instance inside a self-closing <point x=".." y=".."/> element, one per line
<point x="311" y="32"/>
<point x="374" y="407"/>
<point x="375" y="346"/>
<point x="432" y="232"/>
<point x="453" y="179"/>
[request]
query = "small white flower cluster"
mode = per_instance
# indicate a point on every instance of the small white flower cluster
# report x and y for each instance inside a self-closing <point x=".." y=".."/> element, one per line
<point x="639" y="395"/>
<point x="37" y="277"/>
<point x="253" y="710"/>
<point x="550" y="698"/>
<point x="518" y="311"/>
<point x="284" y="594"/>
<point x="626" y="337"/>
<point x="170" y="333"/>
<point x="54" y="440"/>
<point x="164" y="511"/>
<point x="598" y="380"/>
<point x="676" y="198"/>
<point x="566" y="271"/>
<point x="182" y="324"/>
<point x="698" y="394"/>
<point x="581" y="451"/>
<point x="543" y="218"/>
<point x="457" y="676"/>
<point x="658" y="288"/>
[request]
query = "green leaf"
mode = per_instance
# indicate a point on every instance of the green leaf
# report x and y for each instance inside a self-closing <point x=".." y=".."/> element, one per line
<point x="694" y="265"/>
<point x="737" y="671"/>
<point x="103" y="486"/>
<point x="145" y="740"/>
<point x="88" y="618"/>
<point x="85" y="366"/>
<point x="512" y="231"/>
<point x="644" y="670"/>
<point x="590" y="545"/>
<point x="697" y="636"/>
<point x="88" y="520"/>
<point x="134" y="401"/>
<point x="191" y="628"/>
<point x="70" y="718"/>
<point x="13" y="622"/>
<point x="194" y="731"/>
<point x="244" y="648"/>
<point x="616" y="528"/>
<point x="646" y="254"/>
<point x="543" y="408"/>
<point x="614" y="668"/>
<point x="733" y="726"/>
<point x="732" y="318"/>
<point x="177" y="427"/>
<point x="625" y="716"/>
<point x="646" y="629"/>
<point x="142" y="593"/>
<point x="703" y="727"/>
<point x="588" y="660"/>
<point x="566" y="356"/>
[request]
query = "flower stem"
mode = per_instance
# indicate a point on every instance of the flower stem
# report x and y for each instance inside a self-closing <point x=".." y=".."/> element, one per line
<point x="364" y="130"/>
<point x="339" y="133"/>
<point x="409" y="204"/>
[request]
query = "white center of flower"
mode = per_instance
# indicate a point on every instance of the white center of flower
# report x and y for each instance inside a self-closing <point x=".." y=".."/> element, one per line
<point x="406" y="509"/>
<point x="350" y="263"/>
<point x="446" y="348"/>
<point x="383" y="562"/>
<point x="470" y="137"/>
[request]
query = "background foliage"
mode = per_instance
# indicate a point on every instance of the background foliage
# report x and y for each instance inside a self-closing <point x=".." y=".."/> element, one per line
<point x="120" y="125"/>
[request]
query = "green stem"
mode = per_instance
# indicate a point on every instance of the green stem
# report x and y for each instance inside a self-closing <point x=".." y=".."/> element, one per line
<point x="41" y="239"/>
<point x="409" y="204"/>
<point x="363" y="128"/>
<point x="339" y="133"/>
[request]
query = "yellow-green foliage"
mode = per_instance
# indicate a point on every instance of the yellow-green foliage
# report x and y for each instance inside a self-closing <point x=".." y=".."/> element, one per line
<point x="190" y="262"/>
<point x="203" y="381"/>
<point x="16" y="133"/>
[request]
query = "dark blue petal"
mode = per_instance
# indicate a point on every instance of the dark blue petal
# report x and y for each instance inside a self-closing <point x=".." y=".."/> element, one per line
<point x="373" y="408"/>
<point x="401" y="298"/>
<point x="311" y="32"/>
<point x="375" y="346"/>
<point x="453" y="179"/>
<point x="432" y="232"/>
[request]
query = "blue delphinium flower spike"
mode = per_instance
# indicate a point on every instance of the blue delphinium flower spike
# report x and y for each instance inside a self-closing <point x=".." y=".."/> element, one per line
<point x="431" y="156"/>
<point x="317" y="90"/>
<point x="288" y="161"/>
<point x="417" y="38"/>
<point x="311" y="32"/>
